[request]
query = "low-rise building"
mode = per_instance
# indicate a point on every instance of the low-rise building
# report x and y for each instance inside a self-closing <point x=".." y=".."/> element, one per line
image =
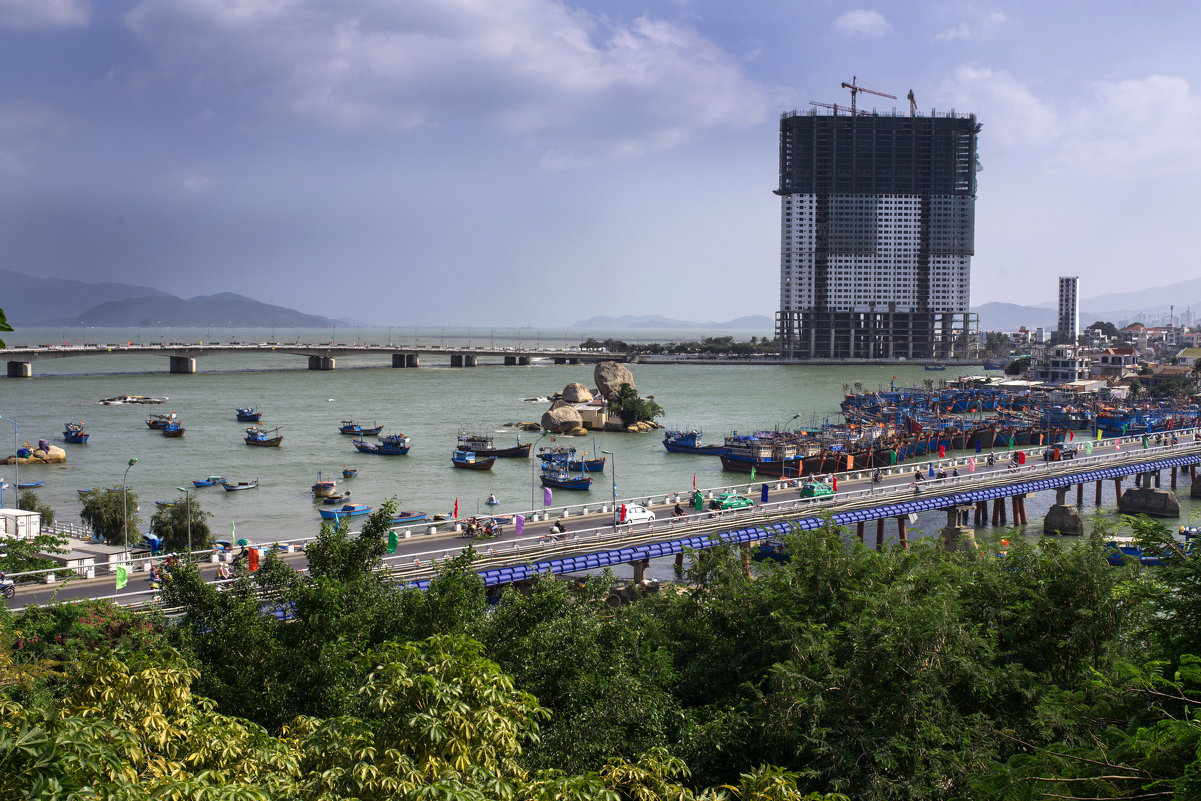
<point x="1114" y="362"/>
<point x="1059" y="364"/>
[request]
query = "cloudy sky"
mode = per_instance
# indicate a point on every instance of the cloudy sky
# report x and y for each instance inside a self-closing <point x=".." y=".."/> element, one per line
<point x="514" y="162"/>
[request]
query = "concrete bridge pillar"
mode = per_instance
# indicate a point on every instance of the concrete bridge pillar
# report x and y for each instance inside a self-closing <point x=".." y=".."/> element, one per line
<point x="314" y="362"/>
<point x="1157" y="474"/>
<point x="679" y="565"/>
<point x="1062" y="518"/>
<point x="510" y="361"/>
<point x="573" y="360"/>
<point x="456" y="360"/>
<point x="20" y="370"/>
<point x="902" y="534"/>
<point x="880" y="534"/>
<point x="523" y="361"/>
<point x="1097" y="502"/>
<point x="1173" y="479"/>
<point x="1195" y="490"/>
<point x="1080" y="496"/>
<point x="998" y="511"/>
<point x="859" y="530"/>
<point x="321" y="363"/>
<point x="413" y="360"/>
<point x="560" y="360"/>
<point x="1150" y="501"/>
<point x="183" y="365"/>
<point x="400" y="360"/>
<point x="640" y="567"/>
<point x="957" y="535"/>
<point x="1117" y="488"/>
<point x="470" y="360"/>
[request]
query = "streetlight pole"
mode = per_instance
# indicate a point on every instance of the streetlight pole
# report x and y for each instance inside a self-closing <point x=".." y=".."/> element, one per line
<point x="613" y="473"/>
<point x="187" y="498"/>
<point x="125" y="506"/>
<point x="16" y="464"/>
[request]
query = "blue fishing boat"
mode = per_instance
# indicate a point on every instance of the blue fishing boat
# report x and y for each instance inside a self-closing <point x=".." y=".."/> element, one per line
<point x="1124" y="550"/>
<point x="249" y="415"/>
<point x="32" y="485"/>
<point x="348" y="510"/>
<point x="265" y="439"/>
<point x="349" y="472"/>
<point x="559" y="478"/>
<point x="241" y="485"/>
<point x="208" y="482"/>
<point x="336" y="498"/>
<point x="351" y="427"/>
<point x="74" y="433"/>
<point x="561" y="456"/>
<point x="680" y="441"/>
<point x="172" y="429"/>
<point x="391" y="445"/>
<point x="936" y="367"/>
<point x="403" y="517"/>
<point x="470" y="460"/>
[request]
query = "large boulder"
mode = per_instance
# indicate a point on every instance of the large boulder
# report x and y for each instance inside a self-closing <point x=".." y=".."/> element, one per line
<point x="52" y="455"/>
<point x="576" y="393"/>
<point x="561" y="420"/>
<point x="609" y="376"/>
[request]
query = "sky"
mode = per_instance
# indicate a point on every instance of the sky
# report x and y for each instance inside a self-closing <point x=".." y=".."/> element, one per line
<point x="532" y="162"/>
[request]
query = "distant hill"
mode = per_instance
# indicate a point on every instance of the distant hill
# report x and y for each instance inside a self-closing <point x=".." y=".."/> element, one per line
<point x="32" y="302"/>
<point x="1012" y="316"/>
<point x="224" y="308"/>
<point x="755" y="322"/>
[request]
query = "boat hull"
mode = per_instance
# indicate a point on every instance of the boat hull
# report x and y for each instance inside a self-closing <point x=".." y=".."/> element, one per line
<point x="479" y="463"/>
<point x="76" y="437"/>
<point x="241" y="485"/>
<point x="273" y="442"/>
<point x="582" y="483"/>
<point x="700" y="450"/>
<point x="515" y="452"/>
<point x="380" y="450"/>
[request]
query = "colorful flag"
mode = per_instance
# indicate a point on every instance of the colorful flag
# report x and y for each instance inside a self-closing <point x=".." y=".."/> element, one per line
<point x="850" y="461"/>
<point x="971" y="465"/>
<point x="122" y="577"/>
<point x="622" y="518"/>
<point x="1071" y="436"/>
<point x="1088" y="448"/>
<point x="547" y="497"/>
<point x="252" y="560"/>
<point x="456" y="514"/>
<point x="519" y="524"/>
<point x="833" y="482"/>
<point x="1011" y="440"/>
<point x="393" y="541"/>
<point x="942" y="451"/>
<point x="752" y="472"/>
<point x="1098" y="433"/>
<point x="694" y="480"/>
<point x="233" y="530"/>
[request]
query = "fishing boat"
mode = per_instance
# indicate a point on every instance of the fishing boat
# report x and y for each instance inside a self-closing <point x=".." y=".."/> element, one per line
<point x="248" y="415"/>
<point x="74" y="433"/>
<point x="767" y="453"/>
<point x="83" y="493"/>
<point x="680" y="441"/>
<point x="403" y="517"/>
<point x="349" y="472"/>
<point x="348" y="510"/>
<point x="163" y="504"/>
<point x="32" y="484"/>
<point x="324" y="488"/>
<point x="469" y="460"/>
<point x="391" y="445"/>
<point x="208" y="481"/>
<point x="351" y="427"/>
<point x="157" y="421"/>
<point x="560" y="478"/>
<point x="266" y="439"/>
<point x="173" y="429"/>
<point x="241" y="485"/>
<point x="936" y="367"/>
<point x="565" y="456"/>
<point x="336" y="498"/>
<point x="485" y="445"/>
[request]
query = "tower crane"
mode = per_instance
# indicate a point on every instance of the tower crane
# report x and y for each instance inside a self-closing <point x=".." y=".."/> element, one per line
<point x="836" y="108"/>
<point x="856" y="89"/>
<point x="912" y="104"/>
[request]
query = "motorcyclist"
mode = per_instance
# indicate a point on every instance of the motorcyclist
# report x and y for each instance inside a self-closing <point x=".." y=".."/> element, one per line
<point x="678" y="511"/>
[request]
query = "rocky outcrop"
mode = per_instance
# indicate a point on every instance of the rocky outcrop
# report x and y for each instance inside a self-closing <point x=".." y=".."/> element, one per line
<point x="1149" y="501"/>
<point x="576" y="392"/>
<point x="52" y="455"/>
<point x="562" y="419"/>
<point x="609" y="376"/>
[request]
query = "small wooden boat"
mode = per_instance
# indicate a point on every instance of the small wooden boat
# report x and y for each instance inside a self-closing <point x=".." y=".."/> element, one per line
<point x="241" y="485"/>
<point x="209" y="481"/>
<point x="351" y="427"/>
<point x="336" y="498"/>
<point x="559" y="478"/>
<point x="163" y="504"/>
<point x="157" y="421"/>
<point x="74" y="433"/>
<point x="492" y="501"/>
<point x="484" y="445"/>
<point x="391" y="445"/>
<point x="86" y="492"/>
<point x="936" y="367"/>
<point x="324" y="488"/>
<point x="265" y="439"/>
<point x="559" y="456"/>
<point x="349" y="472"/>
<point x="32" y="485"/>
<point x="173" y="429"/>
<point x="469" y="460"/>
<point x="349" y="510"/>
<point x="249" y="415"/>
<point x="403" y="517"/>
<point x="679" y="441"/>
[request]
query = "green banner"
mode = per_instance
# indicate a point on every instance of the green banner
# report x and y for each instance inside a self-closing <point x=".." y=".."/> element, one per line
<point x="122" y="577"/>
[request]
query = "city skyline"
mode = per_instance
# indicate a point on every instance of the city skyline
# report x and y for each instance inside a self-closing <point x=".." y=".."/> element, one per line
<point x="551" y="161"/>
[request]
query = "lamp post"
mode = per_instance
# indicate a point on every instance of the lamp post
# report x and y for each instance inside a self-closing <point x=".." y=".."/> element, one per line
<point x="187" y="498"/>
<point x="613" y="473"/>
<point x="16" y="464"/>
<point x="533" y="477"/>
<point x="125" y="506"/>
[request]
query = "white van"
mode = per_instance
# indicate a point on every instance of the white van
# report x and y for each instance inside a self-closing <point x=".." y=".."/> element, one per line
<point x="637" y="514"/>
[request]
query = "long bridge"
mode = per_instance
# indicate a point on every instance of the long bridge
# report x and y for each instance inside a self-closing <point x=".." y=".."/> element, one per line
<point x="182" y="356"/>
<point x="981" y="493"/>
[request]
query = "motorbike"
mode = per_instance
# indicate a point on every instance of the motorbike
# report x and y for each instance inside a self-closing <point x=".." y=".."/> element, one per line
<point x="8" y="589"/>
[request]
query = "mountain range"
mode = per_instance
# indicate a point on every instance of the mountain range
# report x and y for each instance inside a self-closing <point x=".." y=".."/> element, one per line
<point x="48" y="302"/>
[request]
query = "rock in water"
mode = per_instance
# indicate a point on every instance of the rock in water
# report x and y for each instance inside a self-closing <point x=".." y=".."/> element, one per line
<point x="609" y="376"/>
<point x="576" y="393"/>
<point x="562" y="420"/>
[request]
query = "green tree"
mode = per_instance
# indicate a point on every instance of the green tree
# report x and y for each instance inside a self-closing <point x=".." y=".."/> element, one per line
<point x="1106" y="329"/>
<point x="110" y="513"/>
<point x="1136" y="387"/>
<point x="29" y="501"/>
<point x="4" y="326"/>
<point x="626" y="404"/>
<point x="173" y="521"/>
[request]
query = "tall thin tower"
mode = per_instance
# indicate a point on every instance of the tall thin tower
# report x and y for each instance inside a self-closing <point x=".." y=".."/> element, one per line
<point x="1069" y="310"/>
<point x="877" y="231"/>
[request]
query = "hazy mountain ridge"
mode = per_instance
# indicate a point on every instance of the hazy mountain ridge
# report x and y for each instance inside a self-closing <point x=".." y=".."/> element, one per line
<point x="652" y="321"/>
<point x="32" y="301"/>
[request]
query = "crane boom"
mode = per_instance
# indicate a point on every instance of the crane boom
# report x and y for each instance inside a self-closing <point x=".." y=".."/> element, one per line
<point x="856" y="89"/>
<point x="837" y="107"/>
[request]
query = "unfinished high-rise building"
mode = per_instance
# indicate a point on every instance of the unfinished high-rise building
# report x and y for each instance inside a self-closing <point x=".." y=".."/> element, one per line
<point x="877" y="230"/>
<point x="1069" y="310"/>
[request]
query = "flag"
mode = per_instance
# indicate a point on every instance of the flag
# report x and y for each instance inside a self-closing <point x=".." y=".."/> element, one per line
<point x="233" y="531"/>
<point x="122" y="577"/>
<point x="393" y="541"/>
<point x="252" y="561"/>
<point x="694" y="480"/>
<point x="1144" y="441"/>
<point x="942" y="451"/>
<point x="1088" y="448"/>
<point x="931" y="469"/>
<point x="1011" y="440"/>
<point x="456" y="514"/>
<point x="1098" y="433"/>
<point x="519" y="524"/>
<point x="850" y="461"/>
<point x="834" y="482"/>
<point x="892" y="457"/>
<point x="546" y="496"/>
<point x="752" y="472"/>
<point x="971" y="465"/>
<point x="1117" y="444"/>
<point x="1071" y="436"/>
<point x="977" y="446"/>
<point x="622" y="518"/>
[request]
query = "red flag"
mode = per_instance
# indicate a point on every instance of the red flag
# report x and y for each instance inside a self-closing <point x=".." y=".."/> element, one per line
<point x="942" y="451"/>
<point x="835" y="482"/>
<point x="253" y="559"/>
<point x="1071" y="435"/>
<point x="623" y="513"/>
<point x="456" y="514"/>
<point x="694" y="480"/>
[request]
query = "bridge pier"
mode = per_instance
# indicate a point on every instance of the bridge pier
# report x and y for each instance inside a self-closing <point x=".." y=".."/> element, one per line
<point x="902" y="534"/>
<point x="470" y="360"/>
<point x="1150" y="501"/>
<point x="1117" y="489"/>
<point x="880" y="534"/>
<point x="182" y="365"/>
<point x="1173" y="484"/>
<point x="523" y="361"/>
<point x="859" y="530"/>
<point x="1158" y="473"/>
<point x="640" y="567"/>
<point x="1098" y="500"/>
<point x="957" y="535"/>
<point x="981" y="515"/>
<point x="560" y="360"/>
<point x="1080" y="496"/>
<point x="20" y="370"/>
<point x="510" y="361"/>
<point x="1062" y="518"/>
<point x="998" y="511"/>
<point x="679" y="565"/>
<point x="456" y="360"/>
<point x="400" y="360"/>
<point x="1195" y="490"/>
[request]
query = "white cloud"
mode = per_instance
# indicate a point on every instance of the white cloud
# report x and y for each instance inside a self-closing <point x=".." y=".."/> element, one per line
<point x="195" y="182"/>
<point x="24" y="130"/>
<point x="534" y="68"/>
<point x="26" y="14"/>
<point x="863" y="22"/>
<point x="1010" y="112"/>
<point x="982" y="26"/>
